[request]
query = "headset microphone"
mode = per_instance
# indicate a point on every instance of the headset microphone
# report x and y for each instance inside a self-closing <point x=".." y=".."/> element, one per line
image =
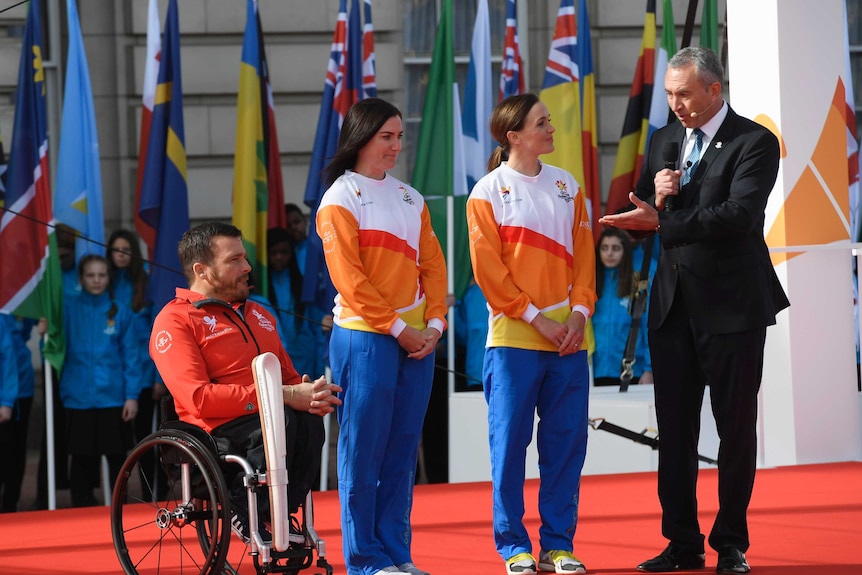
<point x="704" y="111"/>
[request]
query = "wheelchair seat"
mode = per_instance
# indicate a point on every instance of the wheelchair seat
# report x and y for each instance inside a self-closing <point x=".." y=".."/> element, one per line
<point x="186" y="523"/>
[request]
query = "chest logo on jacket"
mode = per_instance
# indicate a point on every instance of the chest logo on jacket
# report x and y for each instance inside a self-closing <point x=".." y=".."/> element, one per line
<point x="564" y="191"/>
<point x="506" y="195"/>
<point x="406" y="195"/>
<point x="210" y="321"/>
<point x="362" y="203"/>
<point x="110" y="327"/>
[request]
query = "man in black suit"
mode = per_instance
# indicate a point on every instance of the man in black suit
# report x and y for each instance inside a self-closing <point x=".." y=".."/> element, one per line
<point x="714" y="293"/>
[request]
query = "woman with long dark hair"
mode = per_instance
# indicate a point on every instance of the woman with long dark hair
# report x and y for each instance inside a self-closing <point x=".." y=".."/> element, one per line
<point x="612" y="320"/>
<point x="388" y="268"/>
<point x="128" y="276"/>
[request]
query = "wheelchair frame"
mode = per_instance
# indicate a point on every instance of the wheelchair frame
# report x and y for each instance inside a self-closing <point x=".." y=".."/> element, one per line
<point x="150" y="532"/>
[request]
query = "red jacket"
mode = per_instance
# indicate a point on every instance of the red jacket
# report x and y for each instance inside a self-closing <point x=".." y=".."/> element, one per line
<point x="203" y="350"/>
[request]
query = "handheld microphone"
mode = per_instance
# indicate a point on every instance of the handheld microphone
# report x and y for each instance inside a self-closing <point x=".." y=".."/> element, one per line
<point x="670" y="155"/>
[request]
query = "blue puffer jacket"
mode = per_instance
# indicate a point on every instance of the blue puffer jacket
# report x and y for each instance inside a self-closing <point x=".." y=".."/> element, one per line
<point x="8" y="362"/>
<point x="121" y="285"/>
<point x="611" y="323"/>
<point x="23" y="327"/>
<point x="103" y="357"/>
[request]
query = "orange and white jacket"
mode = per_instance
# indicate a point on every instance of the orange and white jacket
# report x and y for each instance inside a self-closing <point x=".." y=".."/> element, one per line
<point x="532" y="250"/>
<point x="383" y="257"/>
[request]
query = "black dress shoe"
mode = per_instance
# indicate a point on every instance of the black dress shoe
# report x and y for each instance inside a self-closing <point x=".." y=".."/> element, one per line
<point x="731" y="560"/>
<point x="673" y="558"/>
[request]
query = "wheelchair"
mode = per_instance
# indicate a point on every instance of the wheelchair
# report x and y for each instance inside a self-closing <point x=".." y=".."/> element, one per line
<point x="182" y="525"/>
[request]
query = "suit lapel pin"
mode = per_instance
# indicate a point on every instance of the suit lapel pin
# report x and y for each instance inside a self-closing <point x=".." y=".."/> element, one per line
<point x="718" y="145"/>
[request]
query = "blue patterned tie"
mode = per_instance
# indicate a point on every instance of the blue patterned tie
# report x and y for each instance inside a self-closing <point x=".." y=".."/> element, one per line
<point x="693" y="157"/>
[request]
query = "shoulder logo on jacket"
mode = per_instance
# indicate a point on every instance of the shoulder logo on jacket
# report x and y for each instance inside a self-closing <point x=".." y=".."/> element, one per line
<point x="263" y="321"/>
<point x="406" y="195"/>
<point x="564" y="191"/>
<point x="164" y="340"/>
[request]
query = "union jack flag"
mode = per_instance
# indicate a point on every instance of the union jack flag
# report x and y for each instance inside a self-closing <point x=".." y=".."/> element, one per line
<point x="369" y="73"/>
<point x="511" y="76"/>
<point x="562" y="65"/>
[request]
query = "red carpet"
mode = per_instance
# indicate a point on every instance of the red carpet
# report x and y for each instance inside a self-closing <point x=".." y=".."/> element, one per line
<point x="803" y="520"/>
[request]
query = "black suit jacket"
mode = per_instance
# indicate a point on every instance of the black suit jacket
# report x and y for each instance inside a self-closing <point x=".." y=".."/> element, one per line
<point x="714" y="253"/>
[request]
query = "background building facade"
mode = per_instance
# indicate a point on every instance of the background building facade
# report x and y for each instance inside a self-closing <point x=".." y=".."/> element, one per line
<point x="298" y="34"/>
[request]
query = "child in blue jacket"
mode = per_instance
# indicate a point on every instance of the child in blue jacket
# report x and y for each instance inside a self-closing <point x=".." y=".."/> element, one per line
<point x="101" y="379"/>
<point x="612" y="319"/>
<point x="16" y="399"/>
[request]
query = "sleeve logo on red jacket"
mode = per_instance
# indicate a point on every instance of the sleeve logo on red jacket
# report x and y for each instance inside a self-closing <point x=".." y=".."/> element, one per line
<point x="263" y="321"/>
<point x="164" y="340"/>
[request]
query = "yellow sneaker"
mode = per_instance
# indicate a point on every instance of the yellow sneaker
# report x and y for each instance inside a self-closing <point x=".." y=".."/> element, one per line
<point x="558" y="561"/>
<point x="521" y="564"/>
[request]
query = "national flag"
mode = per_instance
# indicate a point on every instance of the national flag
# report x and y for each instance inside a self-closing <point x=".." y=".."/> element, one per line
<point x="709" y="25"/>
<point x="275" y="215"/>
<point x="852" y="168"/>
<point x="512" y="68"/>
<point x="369" y="66"/>
<point x="250" y="174"/>
<point x="151" y="78"/>
<point x="78" y="196"/>
<point x="164" y="204"/>
<point x="478" y="100"/>
<point x="3" y="167"/>
<point x="354" y="65"/>
<point x="660" y="113"/>
<point x="636" y="123"/>
<point x="589" y="127"/>
<point x="317" y="287"/>
<point x="30" y="283"/>
<point x="852" y="141"/>
<point x="439" y="172"/>
<point x="561" y="92"/>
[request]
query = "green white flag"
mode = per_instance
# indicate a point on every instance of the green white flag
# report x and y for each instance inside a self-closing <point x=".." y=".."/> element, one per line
<point x="439" y="172"/>
<point x="709" y="25"/>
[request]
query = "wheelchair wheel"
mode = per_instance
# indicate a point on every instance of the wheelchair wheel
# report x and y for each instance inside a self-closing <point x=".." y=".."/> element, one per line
<point x="183" y="527"/>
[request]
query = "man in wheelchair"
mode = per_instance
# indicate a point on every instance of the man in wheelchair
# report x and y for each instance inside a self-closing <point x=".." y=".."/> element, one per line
<point x="203" y="343"/>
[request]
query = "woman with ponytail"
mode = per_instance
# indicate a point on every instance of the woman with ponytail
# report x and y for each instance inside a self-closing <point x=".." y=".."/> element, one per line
<point x="100" y="381"/>
<point x="532" y="250"/>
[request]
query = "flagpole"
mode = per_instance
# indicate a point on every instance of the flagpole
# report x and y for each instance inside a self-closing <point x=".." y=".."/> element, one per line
<point x="450" y="280"/>
<point x="53" y="73"/>
<point x="688" y="30"/>
<point x="49" y="431"/>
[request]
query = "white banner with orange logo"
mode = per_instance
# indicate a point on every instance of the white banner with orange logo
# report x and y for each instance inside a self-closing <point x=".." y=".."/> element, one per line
<point x="786" y="63"/>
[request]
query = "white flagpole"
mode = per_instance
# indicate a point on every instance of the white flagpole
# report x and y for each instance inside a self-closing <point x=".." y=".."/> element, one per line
<point x="49" y="433"/>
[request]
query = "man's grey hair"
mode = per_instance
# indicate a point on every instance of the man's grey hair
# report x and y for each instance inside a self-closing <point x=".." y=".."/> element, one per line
<point x="706" y="62"/>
